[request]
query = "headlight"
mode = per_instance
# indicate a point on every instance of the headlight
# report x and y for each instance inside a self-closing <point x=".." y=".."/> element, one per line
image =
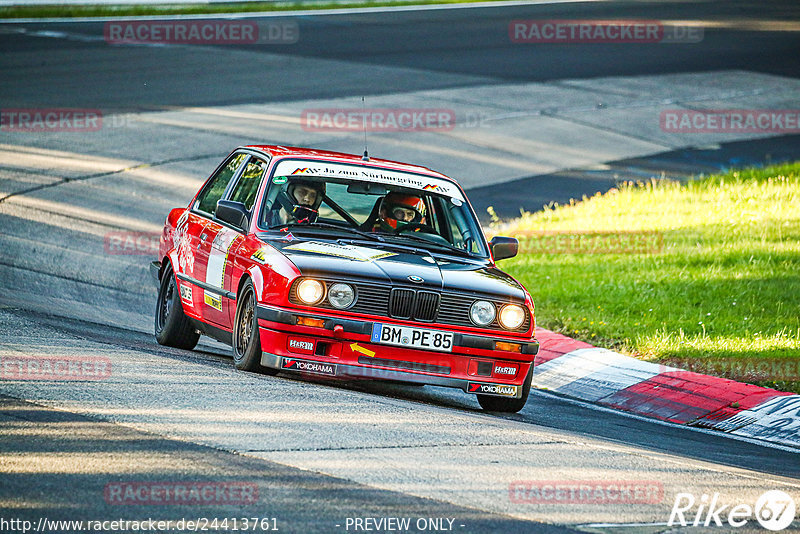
<point x="482" y="312"/>
<point x="512" y="316"/>
<point x="341" y="296"/>
<point x="310" y="291"/>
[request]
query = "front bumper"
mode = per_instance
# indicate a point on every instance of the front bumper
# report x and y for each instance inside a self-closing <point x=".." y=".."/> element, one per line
<point x="343" y="348"/>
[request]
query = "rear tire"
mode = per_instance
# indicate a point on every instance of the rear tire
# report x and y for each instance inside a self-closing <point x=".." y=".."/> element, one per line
<point x="246" y="341"/>
<point x="500" y="404"/>
<point x="172" y="326"/>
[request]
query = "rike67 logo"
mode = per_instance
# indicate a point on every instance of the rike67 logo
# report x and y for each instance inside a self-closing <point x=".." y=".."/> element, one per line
<point x="774" y="510"/>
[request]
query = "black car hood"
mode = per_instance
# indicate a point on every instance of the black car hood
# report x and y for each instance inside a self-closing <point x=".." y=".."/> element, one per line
<point x="388" y="264"/>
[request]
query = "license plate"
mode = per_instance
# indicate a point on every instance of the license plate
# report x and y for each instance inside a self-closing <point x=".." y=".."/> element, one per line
<point x="417" y="338"/>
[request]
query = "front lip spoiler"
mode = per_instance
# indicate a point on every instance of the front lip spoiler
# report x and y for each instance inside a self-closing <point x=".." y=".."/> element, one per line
<point x="351" y="326"/>
<point x="356" y="371"/>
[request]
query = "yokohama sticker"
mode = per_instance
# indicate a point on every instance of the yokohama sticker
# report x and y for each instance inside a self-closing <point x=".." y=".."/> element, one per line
<point x="305" y="366"/>
<point x="500" y="390"/>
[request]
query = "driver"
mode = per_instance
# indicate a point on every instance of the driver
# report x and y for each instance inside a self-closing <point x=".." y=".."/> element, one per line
<point x="305" y="197"/>
<point x="398" y="210"/>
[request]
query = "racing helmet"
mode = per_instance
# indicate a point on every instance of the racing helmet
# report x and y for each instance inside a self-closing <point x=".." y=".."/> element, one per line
<point x="400" y="209"/>
<point x="304" y="209"/>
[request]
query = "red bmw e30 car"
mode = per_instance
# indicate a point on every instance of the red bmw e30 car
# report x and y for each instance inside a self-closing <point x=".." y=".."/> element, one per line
<point x="338" y="265"/>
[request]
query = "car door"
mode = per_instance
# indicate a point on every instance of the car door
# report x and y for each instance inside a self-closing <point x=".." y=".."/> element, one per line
<point x="223" y="239"/>
<point x="207" y="273"/>
<point x="187" y="240"/>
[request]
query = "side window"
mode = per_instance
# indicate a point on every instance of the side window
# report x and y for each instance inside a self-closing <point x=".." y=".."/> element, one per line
<point x="455" y="231"/>
<point x="207" y="202"/>
<point x="462" y="234"/>
<point x="247" y="187"/>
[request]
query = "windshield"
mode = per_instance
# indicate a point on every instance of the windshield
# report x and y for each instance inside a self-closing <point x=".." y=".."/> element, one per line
<point x="366" y="209"/>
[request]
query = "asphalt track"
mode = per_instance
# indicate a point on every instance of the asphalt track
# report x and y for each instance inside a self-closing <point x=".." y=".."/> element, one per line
<point x="319" y="452"/>
<point x="446" y="48"/>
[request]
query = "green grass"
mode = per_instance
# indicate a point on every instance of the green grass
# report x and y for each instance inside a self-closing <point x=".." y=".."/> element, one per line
<point x="721" y="296"/>
<point x="127" y="10"/>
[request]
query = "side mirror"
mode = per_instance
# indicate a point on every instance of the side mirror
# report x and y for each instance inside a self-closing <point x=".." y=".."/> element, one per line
<point x="503" y="247"/>
<point x="233" y="213"/>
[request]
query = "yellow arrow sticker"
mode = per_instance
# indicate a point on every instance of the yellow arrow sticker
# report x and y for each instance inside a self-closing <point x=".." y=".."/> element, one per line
<point x="355" y="347"/>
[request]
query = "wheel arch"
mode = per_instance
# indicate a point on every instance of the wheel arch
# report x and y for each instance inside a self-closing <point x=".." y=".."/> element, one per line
<point x="165" y="262"/>
<point x="257" y="277"/>
<point x="242" y="281"/>
<point x="169" y="260"/>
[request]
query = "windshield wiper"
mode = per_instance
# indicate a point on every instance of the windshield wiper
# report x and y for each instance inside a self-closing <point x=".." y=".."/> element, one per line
<point x="435" y="244"/>
<point x="371" y="237"/>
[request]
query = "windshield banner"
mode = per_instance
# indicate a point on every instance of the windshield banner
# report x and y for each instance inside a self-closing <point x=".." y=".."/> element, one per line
<point x="368" y="174"/>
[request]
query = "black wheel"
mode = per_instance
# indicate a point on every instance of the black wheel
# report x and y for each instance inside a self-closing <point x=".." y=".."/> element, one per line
<point x="500" y="404"/>
<point x="172" y="326"/>
<point x="246" y="341"/>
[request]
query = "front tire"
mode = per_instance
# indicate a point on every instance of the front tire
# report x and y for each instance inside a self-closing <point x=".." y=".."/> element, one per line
<point x="172" y="326"/>
<point x="499" y="404"/>
<point x="246" y="341"/>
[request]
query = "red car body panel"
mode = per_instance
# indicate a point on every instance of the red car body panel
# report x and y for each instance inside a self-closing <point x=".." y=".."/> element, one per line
<point x="210" y="261"/>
